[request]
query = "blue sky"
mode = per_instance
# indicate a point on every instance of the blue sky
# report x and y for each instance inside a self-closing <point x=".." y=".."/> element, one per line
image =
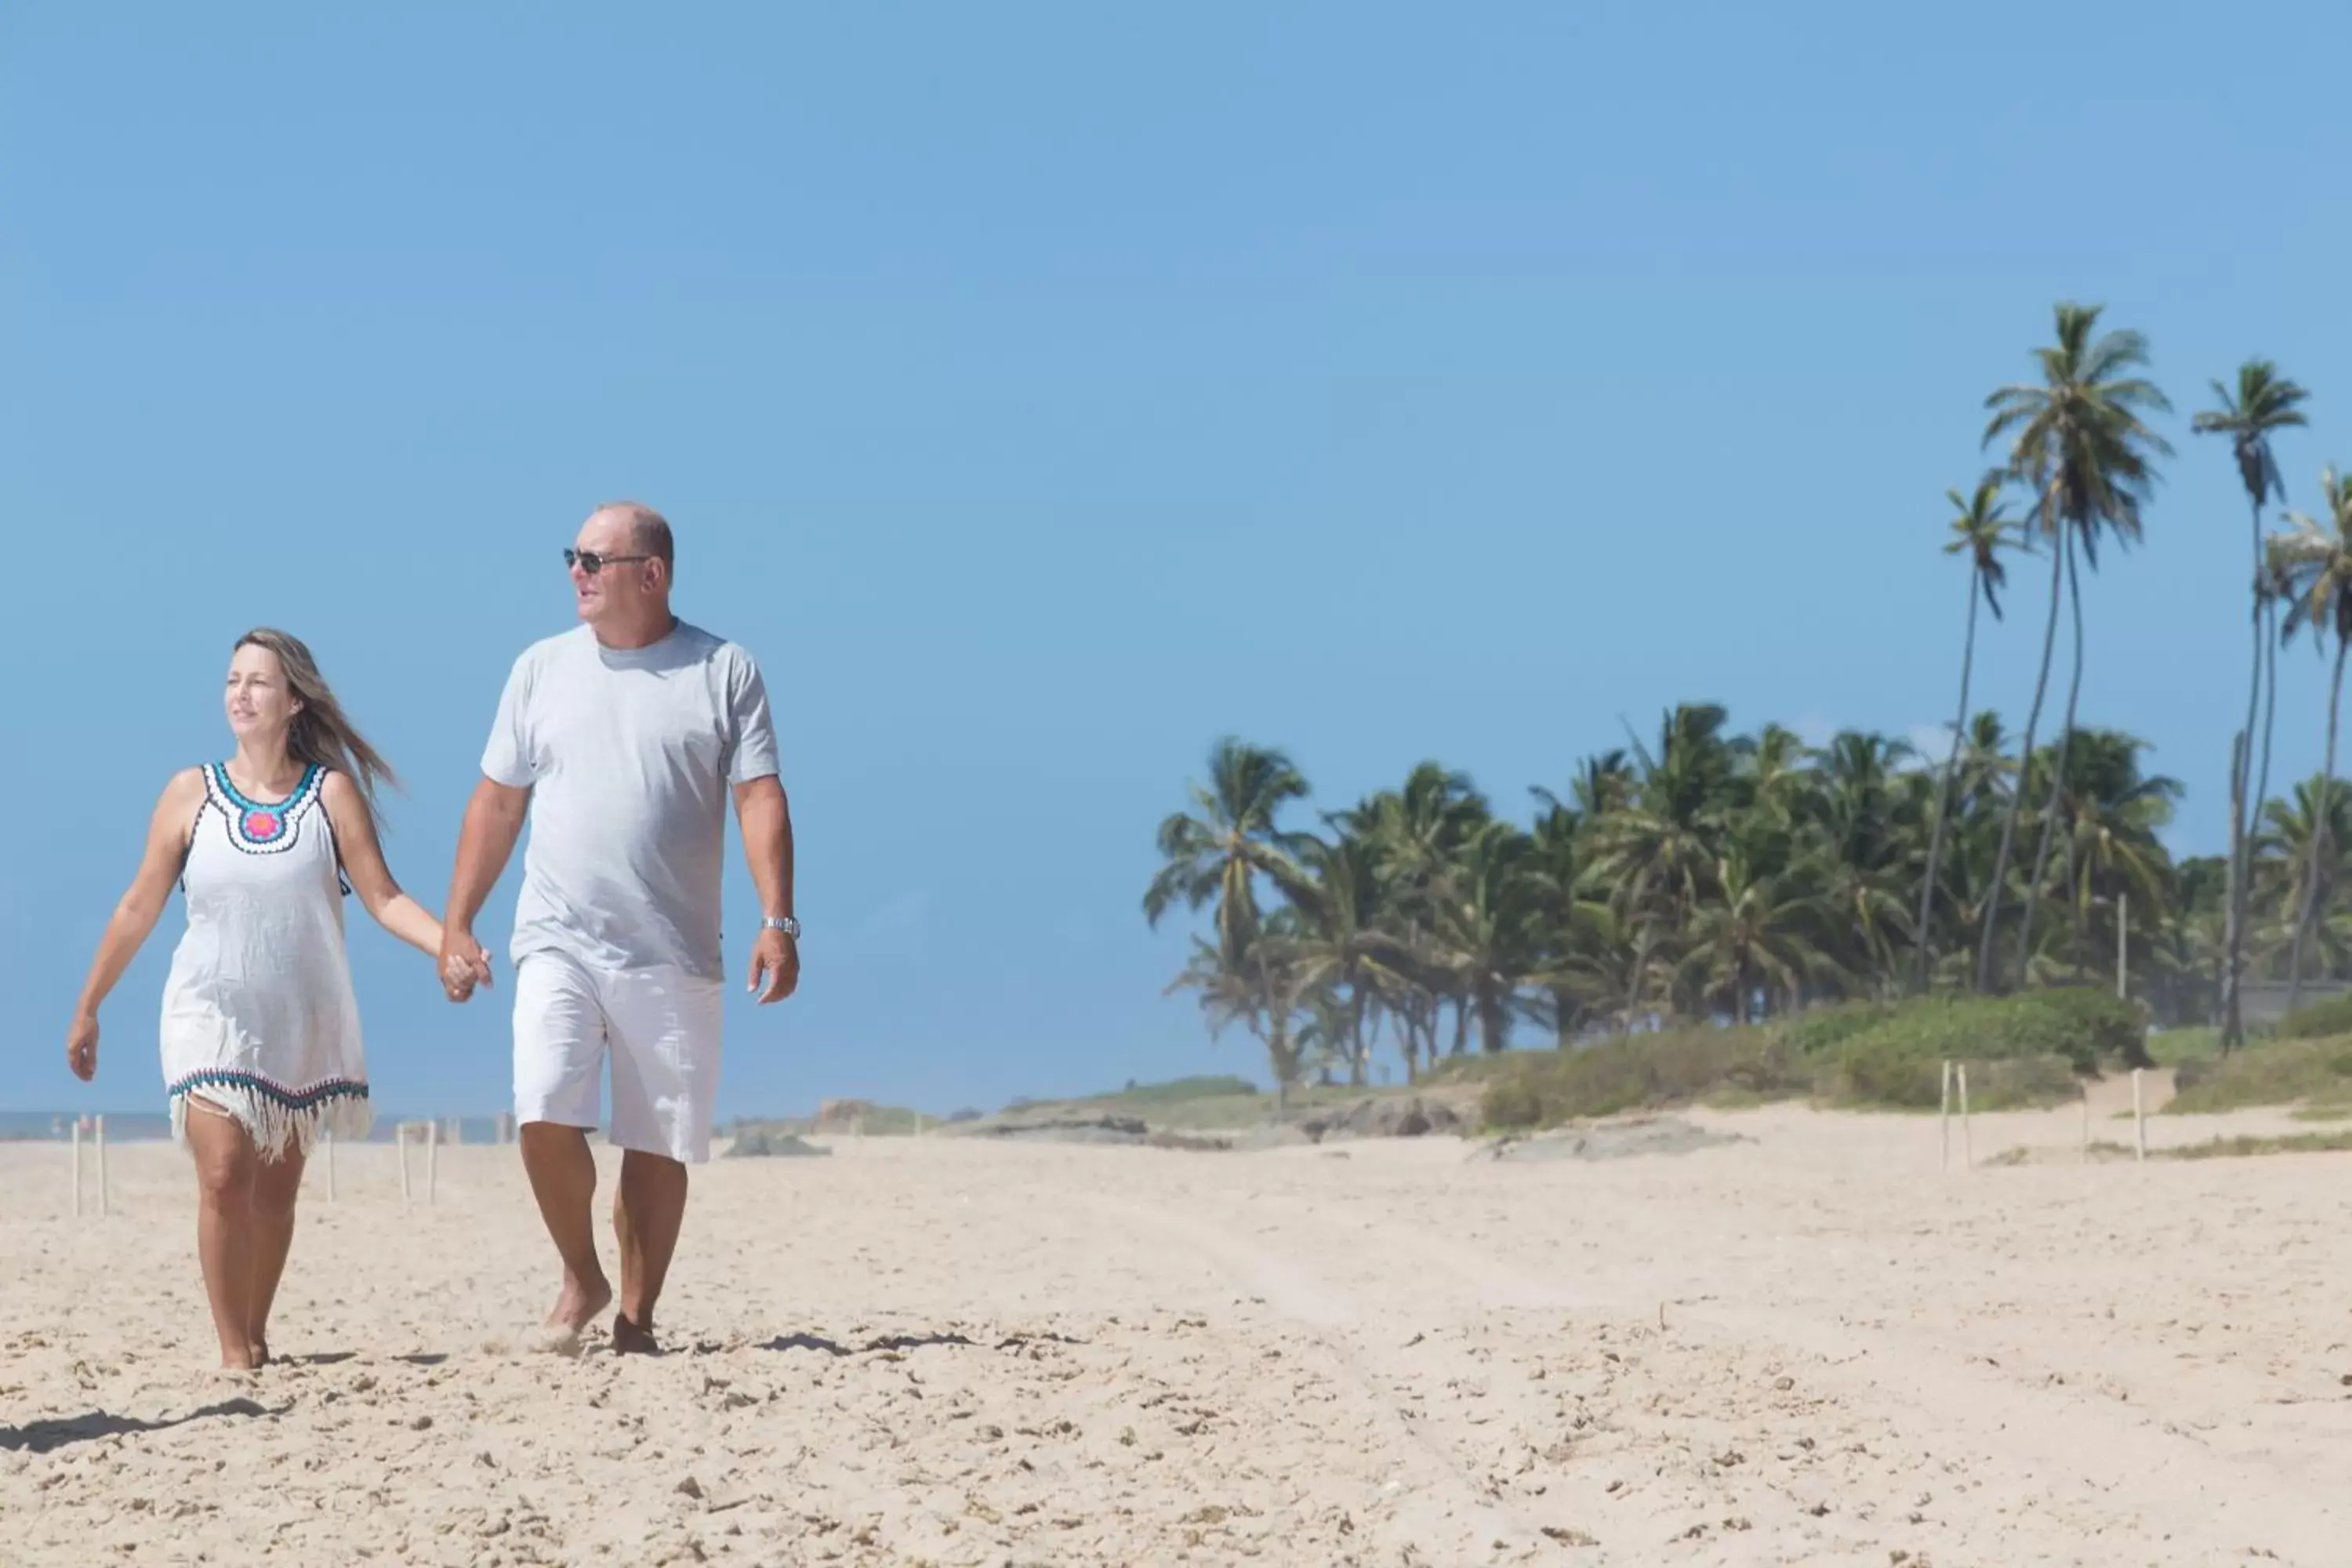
<point x="1041" y="391"/>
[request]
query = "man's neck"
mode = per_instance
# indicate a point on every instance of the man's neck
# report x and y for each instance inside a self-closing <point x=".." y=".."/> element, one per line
<point x="645" y="635"/>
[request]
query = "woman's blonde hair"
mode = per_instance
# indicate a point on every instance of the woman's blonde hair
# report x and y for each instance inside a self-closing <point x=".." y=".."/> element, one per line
<point x="321" y="732"/>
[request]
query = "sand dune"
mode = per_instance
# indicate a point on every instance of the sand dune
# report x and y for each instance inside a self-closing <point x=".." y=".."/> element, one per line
<point x="1807" y="1345"/>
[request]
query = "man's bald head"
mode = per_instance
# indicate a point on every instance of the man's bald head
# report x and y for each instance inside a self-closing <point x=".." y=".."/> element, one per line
<point x="621" y="574"/>
<point x="648" y="530"/>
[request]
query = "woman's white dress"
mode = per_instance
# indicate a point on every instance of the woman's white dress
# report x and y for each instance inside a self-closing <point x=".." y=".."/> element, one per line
<point x="260" y="1017"/>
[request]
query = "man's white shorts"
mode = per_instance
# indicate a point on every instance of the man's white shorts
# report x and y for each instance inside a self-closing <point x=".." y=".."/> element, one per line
<point x="663" y="1030"/>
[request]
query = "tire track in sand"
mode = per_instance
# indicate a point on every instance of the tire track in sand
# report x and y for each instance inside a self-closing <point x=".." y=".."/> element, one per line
<point x="2129" y="1467"/>
<point x="1447" y="1515"/>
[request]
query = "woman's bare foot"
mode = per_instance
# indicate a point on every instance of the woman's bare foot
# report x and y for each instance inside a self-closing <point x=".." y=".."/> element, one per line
<point x="258" y="1351"/>
<point x="628" y="1339"/>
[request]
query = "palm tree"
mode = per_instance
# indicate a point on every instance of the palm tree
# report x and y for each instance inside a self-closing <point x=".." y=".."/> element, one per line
<point x="1753" y="929"/>
<point x="1490" y="928"/>
<point x="2315" y="562"/>
<point x="2077" y="442"/>
<point x="1863" y="852"/>
<point x="1257" y="987"/>
<point x="1980" y="528"/>
<point x="2113" y="814"/>
<point x="1219" y="849"/>
<point x="2315" y="820"/>
<point x="1338" y="946"/>
<point x="1416" y="834"/>
<point x="2264" y="401"/>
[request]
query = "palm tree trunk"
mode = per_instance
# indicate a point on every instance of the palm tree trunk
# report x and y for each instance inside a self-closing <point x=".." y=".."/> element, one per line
<point x="2058" y="772"/>
<point x="2017" y="795"/>
<point x="1944" y="800"/>
<point x="2233" y="913"/>
<point x="2260" y="797"/>
<point x="2324" y="819"/>
<point x="1359" y="1060"/>
<point x="2244" y="810"/>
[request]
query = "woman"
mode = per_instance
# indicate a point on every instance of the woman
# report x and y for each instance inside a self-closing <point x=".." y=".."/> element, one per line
<point x="260" y="1029"/>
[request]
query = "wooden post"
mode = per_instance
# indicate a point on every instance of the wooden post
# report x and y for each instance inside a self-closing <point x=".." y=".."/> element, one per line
<point x="2139" y="1119"/>
<point x="1968" y="1149"/>
<point x="100" y="1126"/>
<point x="77" y="1165"/>
<point x="400" y="1146"/>
<point x="1944" y="1119"/>
<point x="432" y="1148"/>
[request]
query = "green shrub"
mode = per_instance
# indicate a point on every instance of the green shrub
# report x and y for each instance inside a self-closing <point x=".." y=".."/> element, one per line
<point x="2081" y="1025"/>
<point x="2321" y="1019"/>
<point x="1880" y="1074"/>
<point x="2267" y="1072"/>
<point x="1819" y="1029"/>
<point x="2021" y="1050"/>
<point x="2115" y="1029"/>
<point x="1632" y="1072"/>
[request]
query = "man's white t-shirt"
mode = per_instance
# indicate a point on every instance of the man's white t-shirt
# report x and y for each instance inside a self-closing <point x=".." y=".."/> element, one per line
<point x="631" y="756"/>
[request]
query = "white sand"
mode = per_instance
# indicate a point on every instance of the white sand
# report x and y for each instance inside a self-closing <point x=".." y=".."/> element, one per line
<point x="1121" y="1355"/>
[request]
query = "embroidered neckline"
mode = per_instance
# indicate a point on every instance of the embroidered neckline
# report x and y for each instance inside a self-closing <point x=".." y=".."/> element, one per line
<point x="262" y="824"/>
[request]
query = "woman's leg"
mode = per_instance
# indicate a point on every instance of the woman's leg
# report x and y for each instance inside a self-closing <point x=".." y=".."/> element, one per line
<point x="226" y="1163"/>
<point x="275" y="1184"/>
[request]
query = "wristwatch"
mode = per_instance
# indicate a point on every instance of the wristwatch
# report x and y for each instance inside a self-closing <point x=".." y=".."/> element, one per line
<point x="785" y="923"/>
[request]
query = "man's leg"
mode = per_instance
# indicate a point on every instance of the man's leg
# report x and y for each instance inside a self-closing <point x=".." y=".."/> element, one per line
<point x="560" y="1037"/>
<point x="665" y="1029"/>
<point x="562" y="1174"/>
<point x="649" y="1210"/>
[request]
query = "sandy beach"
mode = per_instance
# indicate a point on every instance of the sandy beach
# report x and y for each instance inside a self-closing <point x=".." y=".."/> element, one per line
<point x="1803" y="1345"/>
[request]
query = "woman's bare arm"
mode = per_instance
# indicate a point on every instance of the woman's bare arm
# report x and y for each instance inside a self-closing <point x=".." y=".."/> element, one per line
<point x="136" y="912"/>
<point x="363" y="863"/>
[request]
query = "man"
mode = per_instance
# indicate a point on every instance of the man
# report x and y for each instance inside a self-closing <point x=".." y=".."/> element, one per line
<point x="623" y="738"/>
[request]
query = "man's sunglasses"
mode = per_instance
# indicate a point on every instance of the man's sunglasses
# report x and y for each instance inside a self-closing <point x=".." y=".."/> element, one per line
<point x="588" y="560"/>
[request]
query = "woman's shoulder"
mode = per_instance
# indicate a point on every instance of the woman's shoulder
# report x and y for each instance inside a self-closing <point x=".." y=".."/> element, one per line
<point x="183" y="795"/>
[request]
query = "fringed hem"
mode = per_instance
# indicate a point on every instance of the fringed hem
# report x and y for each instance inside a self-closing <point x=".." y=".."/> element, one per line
<point x="267" y="1118"/>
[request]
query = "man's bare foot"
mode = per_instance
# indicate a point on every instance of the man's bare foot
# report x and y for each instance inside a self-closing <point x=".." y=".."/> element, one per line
<point x="628" y="1339"/>
<point x="575" y="1308"/>
<point x="579" y="1304"/>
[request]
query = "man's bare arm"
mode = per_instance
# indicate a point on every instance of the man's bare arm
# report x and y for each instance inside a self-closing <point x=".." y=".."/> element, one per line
<point x="494" y="819"/>
<point x="765" y="818"/>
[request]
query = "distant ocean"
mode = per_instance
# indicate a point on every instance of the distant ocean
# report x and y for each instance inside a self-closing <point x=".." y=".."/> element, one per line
<point x="20" y="1126"/>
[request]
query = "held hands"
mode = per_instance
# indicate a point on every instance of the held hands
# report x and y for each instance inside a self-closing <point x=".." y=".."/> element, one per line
<point x="775" y="967"/>
<point x="464" y="963"/>
<point x="82" y="1047"/>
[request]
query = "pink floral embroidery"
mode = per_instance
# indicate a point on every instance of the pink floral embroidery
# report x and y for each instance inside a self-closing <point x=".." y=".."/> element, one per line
<point x="261" y="825"/>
